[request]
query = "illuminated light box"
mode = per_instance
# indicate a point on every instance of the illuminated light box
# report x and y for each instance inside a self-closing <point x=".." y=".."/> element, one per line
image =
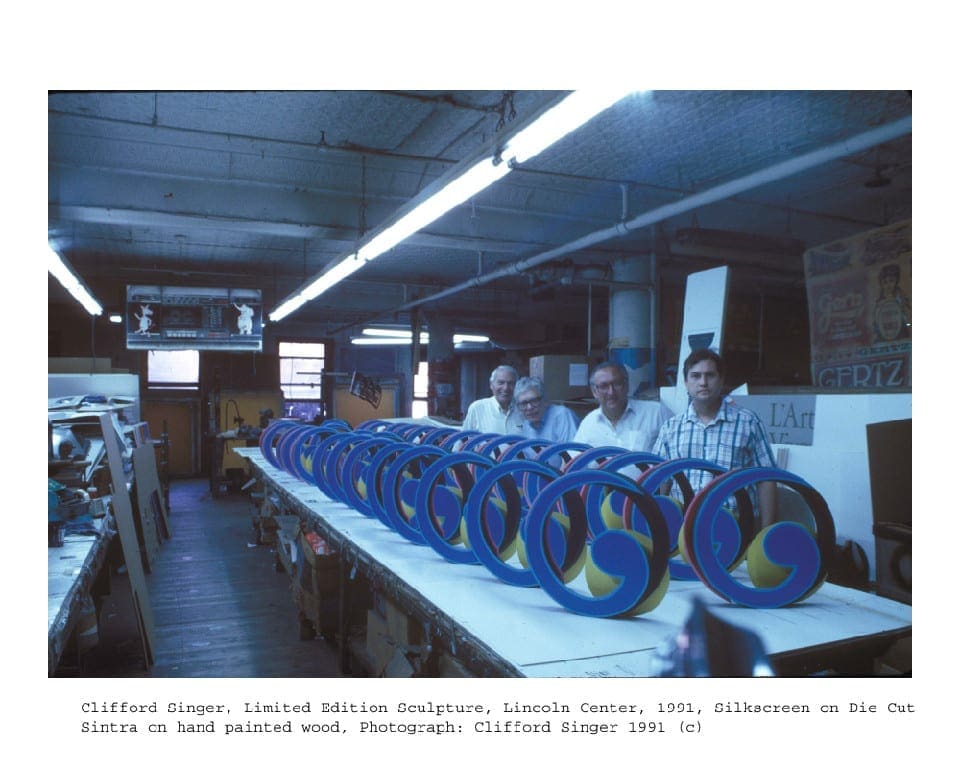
<point x="164" y="317"/>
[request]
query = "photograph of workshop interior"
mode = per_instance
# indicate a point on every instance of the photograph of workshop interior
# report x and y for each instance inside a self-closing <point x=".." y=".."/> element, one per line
<point x="494" y="383"/>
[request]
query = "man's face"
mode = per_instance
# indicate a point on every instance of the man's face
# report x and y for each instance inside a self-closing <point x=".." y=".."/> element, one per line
<point x="532" y="405"/>
<point x="502" y="387"/>
<point x="704" y="382"/>
<point x="610" y="388"/>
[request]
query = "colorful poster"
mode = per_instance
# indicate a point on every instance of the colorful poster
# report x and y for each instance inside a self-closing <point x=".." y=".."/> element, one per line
<point x="859" y="297"/>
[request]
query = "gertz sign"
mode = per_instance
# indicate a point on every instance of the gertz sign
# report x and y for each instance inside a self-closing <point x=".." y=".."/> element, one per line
<point x="859" y="296"/>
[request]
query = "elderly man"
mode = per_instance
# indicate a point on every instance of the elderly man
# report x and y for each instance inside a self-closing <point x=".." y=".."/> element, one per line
<point x="541" y="418"/>
<point x="497" y="413"/>
<point x="620" y="420"/>
<point x="718" y="431"/>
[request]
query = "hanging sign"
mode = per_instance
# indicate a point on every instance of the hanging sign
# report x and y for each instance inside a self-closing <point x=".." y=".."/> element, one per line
<point x="165" y="317"/>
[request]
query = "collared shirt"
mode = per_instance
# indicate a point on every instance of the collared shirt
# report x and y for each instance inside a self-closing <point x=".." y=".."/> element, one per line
<point x="485" y="416"/>
<point x="735" y="438"/>
<point x="636" y="430"/>
<point x="559" y="425"/>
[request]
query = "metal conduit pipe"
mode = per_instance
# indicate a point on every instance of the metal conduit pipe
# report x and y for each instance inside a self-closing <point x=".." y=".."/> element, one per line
<point x="850" y="146"/>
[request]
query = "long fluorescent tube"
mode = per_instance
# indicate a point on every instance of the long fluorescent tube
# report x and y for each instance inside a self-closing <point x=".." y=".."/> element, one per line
<point x="473" y="181"/>
<point x="575" y="110"/>
<point x="289" y="306"/>
<point x="399" y="337"/>
<point x="461" y="189"/>
<point x="331" y="277"/>
<point x="383" y="341"/>
<point x="339" y="271"/>
<point x="60" y="270"/>
<point x="396" y="333"/>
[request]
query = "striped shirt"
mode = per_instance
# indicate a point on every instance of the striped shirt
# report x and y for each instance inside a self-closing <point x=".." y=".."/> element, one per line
<point x="735" y="438"/>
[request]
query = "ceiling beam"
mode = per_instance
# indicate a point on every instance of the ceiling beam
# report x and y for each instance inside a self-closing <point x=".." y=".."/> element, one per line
<point x="348" y="236"/>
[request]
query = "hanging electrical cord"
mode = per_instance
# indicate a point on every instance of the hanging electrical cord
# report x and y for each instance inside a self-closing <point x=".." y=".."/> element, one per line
<point x="504" y="115"/>
<point x="362" y="224"/>
<point x="93" y="344"/>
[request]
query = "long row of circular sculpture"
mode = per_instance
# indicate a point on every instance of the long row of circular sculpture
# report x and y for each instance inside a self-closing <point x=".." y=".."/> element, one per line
<point x="588" y="525"/>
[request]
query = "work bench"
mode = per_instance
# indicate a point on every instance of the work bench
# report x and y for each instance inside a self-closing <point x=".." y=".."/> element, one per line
<point x="493" y="629"/>
<point x="73" y="570"/>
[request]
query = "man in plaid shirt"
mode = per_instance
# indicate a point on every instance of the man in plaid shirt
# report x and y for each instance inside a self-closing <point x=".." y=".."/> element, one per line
<point x="718" y="431"/>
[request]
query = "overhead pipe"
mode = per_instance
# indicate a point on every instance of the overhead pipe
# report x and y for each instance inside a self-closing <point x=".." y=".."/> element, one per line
<point x="776" y="172"/>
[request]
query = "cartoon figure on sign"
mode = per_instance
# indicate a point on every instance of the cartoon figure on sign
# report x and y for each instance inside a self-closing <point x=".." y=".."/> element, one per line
<point x="145" y="318"/>
<point x="891" y="312"/>
<point x="245" y="321"/>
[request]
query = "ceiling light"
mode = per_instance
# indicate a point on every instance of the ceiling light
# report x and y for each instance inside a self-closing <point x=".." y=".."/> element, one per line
<point x="333" y="275"/>
<point x="330" y="277"/>
<point x="575" y="110"/>
<point x="474" y="180"/>
<point x="116" y="317"/>
<point x="384" y="341"/>
<point x="397" y="333"/>
<point x="555" y="123"/>
<point x="69" y="280"/>
<point x="465" y="338"/>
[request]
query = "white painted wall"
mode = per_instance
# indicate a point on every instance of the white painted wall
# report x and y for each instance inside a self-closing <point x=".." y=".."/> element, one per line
<point x="837" y="463"/>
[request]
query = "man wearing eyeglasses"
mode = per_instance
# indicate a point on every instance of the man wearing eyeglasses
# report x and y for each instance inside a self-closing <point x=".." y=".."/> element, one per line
<point x="620" y="420"/>
<point x="496" y="413"/>
<point x="543" y="419"/>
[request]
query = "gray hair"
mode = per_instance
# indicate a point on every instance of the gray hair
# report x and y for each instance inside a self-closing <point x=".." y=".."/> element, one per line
<point x="609" y="364"/>
<point x="493" y="373"/>
<point x="528" y="382"/>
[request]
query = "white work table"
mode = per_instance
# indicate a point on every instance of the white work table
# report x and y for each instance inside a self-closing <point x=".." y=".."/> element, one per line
<point x="71" y="571"/>
<point x="523" y="631"/>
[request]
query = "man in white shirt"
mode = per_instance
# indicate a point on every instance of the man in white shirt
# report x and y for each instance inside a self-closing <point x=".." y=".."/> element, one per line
<point x="497" y="413"/>
<point x="620" y="420"/>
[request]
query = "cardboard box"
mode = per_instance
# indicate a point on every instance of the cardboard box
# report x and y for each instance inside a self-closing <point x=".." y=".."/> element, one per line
<point x="565" y="377"/>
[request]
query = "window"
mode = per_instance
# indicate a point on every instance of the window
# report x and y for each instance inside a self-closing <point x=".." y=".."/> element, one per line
<point x="301" y="378"/>
<point x="420" y="389"/>
<point x="173" y="369"/>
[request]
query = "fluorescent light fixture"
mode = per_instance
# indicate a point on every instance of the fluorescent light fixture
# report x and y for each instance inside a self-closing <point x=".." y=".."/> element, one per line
<point x="69" y="280"/>
<point x="396" y="333"/>
<point x="397" y="336"/>
<point x="575" y="110"/>
<point x="116" y="317"/>
<point x="291" y="305"/>
<point x="331" y="277"/>
<point x="474" y="180"/>
<point x="387" y="341"/>
<point x="466" y="338"/>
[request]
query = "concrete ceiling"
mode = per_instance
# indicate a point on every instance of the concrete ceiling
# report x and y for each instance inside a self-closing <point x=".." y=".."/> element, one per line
<point x="266" y="189"/>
